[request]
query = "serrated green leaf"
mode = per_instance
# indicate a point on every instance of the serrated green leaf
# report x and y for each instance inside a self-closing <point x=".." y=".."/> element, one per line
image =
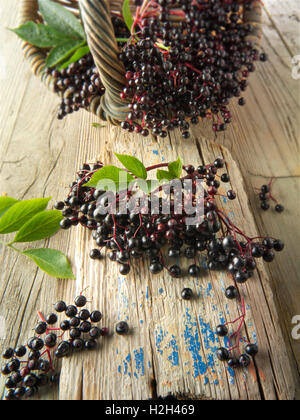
<point x="41" y="226"/>
<point x="42" y="36"/>
<point x="128" y="18"/>
<point x="175" y="168"/>
<point x="164" y="175"/>
<point x="53" y="262"/>
<point x="59" y="18"/>
<point x="134" y="165"/>
<point x="109" y="173"/>
<point x="14" y="218"/>
<point x="6" y="203"/>
<point x="62" y="52"/>
<point x="81" y="52"/>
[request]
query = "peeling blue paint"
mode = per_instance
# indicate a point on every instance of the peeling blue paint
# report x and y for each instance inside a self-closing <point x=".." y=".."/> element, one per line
<point x="174" y="356"/>
<point x="139" y="361"/>
<point x="161" y="291"/>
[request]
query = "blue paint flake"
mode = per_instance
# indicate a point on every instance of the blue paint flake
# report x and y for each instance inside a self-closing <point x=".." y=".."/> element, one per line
<point x="139" y="361"/>
<point x="161" y="291"/>
<point x="174" y="356"/>
<point x="155" y="152"/>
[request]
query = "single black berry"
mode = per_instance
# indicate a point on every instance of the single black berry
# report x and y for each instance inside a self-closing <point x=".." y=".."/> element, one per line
<point x="122" y="328"/>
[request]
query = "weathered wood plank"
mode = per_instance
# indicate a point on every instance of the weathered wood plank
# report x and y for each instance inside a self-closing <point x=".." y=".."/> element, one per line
<point x="180" y="354"/>
<point x="38" y="156"/>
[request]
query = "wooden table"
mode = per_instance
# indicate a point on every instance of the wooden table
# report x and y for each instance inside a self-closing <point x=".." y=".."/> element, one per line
<point x="39" y="156"/>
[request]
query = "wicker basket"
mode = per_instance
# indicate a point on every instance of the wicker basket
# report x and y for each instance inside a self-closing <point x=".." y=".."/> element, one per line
<point x="96" y="16"/>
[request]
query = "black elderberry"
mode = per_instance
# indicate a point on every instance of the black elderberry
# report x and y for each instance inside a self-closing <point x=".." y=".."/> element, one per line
<point x="44" y="365"/>
<point x="233" y="362"/>
<point x="8" y="354"/>
<point x="221" y="330"/>
<point x="20" y="351"/>
<point x="63" y="349"/>
<point x="5" y="370"/>
<point x="231" y="292"/>
<point x="231" y="195"/>
<point x="80" y="301"/>
<point x="36" y="344"/>
<point x="124" y="269"/>
<point x="244" y="360"/>
<point x="156" y="268"/>
<point x="75" y="333"/>
<point x="41" y="328"/>
<point x="65" y="224"/>
<point x="278" y="245"/>
<point x="59" y="205"/>
<point x="60" y="307"/>
<point x="78" y="344"/>
<point x="222" y="354"/>
<point x="279" y="208"/>
<point x="85" y="327"/>
<point x="95" y="254"/>
<point x="90" y="344"/>
<point x="65" y="325"/>
<point x="122" y="328"/>
<point x="265" y="206"/>
<point x="194" y="270"/>
<point x="268" y="255"/>
<point x="95" y="333"/>
<point x="225" y="178"/>
<point x="71" y="311"/>
<point x="84" y="314"/>
<point x="74" y="322"/>
<point x="251" y="349"/>
<point x="29" y="380"/>
<point x="9" y="383"/>
<point x="96" y="316"/>
<point x="34" y="355"/>
<point x="175" y="271"/>
<point x="187" y="294"/>
<point x="10" y="395"/>
<point x="51" y="319"/>
<point x="50" y="340"/>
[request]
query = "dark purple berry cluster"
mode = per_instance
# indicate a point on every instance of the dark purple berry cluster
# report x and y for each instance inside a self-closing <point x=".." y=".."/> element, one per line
<point x="166" y="239"/>
<point x="189" y="69"/>
<point x="37" y="368"/>
<point x="265" y="196"/>
<point x="80" y="82"/>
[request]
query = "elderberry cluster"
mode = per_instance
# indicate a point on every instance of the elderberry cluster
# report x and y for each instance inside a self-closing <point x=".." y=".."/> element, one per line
<point x="80" y="82"/>
<point x="167" y="239"/>
<point x="25" y="377"/>
<point x="265" y="195"/>
<point x="178" y="72"/>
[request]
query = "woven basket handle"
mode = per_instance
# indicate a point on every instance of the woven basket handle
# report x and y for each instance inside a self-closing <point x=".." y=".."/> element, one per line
<point x="96" y="17"/>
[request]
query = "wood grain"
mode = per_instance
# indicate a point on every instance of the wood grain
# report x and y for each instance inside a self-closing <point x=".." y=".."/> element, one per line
<point x="39" y="156"/>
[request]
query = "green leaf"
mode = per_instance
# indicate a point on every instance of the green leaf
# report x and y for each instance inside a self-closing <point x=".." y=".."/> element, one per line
<point x="134" y="165"/>
<point x="51" y="261"/>
<point x="109" y="173"/>
<point x="41" y="226"/>
<point x="175" y="168"/>
<point x="20" y="213"/>
<point x="147" y="186"/>
<point x="59" y="18"/>
<point x="62" y="52"/>
<point x="81" y="52"/>
<point x="128" y="18"/>
<point x="164" y="175"/>
<point x="6" y="203"/>
<point x="40" y="35"/>
<point x="122" y="39"/>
